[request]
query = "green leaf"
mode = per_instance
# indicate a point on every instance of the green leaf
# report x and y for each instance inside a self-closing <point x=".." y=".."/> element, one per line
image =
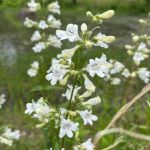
<point x="40" y="88"/>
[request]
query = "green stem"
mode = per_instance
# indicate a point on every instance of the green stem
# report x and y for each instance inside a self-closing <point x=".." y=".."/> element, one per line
<point x="69" y="105"/>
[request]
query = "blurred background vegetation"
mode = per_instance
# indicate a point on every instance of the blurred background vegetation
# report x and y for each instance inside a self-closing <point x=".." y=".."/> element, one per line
<point x="16" y="56"/>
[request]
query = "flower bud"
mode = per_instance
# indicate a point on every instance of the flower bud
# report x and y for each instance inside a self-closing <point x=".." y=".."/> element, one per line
<point x="135" y="38"/>
<point x="133" y="74"/>
<point x="64" y="81"/>
<point x="72" y="113"/>
<point x="109" y="39"/>
<point x="92" y="101"/>
<point x="130" y="52"/>
<point x="89" y="14"/>
<point x="106" y="15"/>
<point x="40" y="125"/>
<point x="84" y="27"/>
<point x="88" y="44"/>
<point x="142" y="21"/>
<point x="74" y="72"/>
<point x="128" y="47"/>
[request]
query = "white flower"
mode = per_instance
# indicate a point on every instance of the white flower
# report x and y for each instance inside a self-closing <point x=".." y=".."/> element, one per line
<point x="39" y="109"/>
<point x="117" y="67"/>
<point x="107" y="14"/>
<point x="67" y="127"/>
<point x="126" y="73"/>
<point x="87" y="117"/>
<point x="43" y="25"/>
<point x="55" y="73"/>
<point x="71" y="33"/>
<point x="54" y="41"/>
<point x="115" y="81"/>
<point x="93" y="101"/>
<point x="2" y="99"/>
<point x="144" y="74"/>
<point x="33" y="6"/>
<point x="52" y="22"/>
<point x="39" y="47"/>
<point x="84" y="27"/>
<point x="30" y="108"/>
<point x="89" y="86"/>
<point x="36" y="36"/>
<point x="100" y="41"/>
<point x="29" y="23"/>
<point x="88" y="145"/>
<point x="99" y="66"/>
<point x="32" y="72"/>
<point x="8" y="136"/>
<point x="141" y="47"/>
<point x="54" y="7"/>
<point x="138" y="57"/>
<point x="69" y="91"/>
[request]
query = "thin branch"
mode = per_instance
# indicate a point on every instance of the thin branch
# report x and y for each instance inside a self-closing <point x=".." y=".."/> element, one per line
<point x="122" y="111"/>
<point x="126" y="132"/>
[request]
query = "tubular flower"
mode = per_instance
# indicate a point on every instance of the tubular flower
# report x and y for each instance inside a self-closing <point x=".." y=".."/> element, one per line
<point x="71" y="33"/>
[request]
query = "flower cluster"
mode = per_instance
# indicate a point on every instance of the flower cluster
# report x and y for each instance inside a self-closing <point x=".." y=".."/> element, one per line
<point x="2" y="99"/>
<point x="71" y="70"/>
<point x="7" y="136"/>
<point x="41" y="37"/>
<point x="140" y="52"/>
<point x="32" y="72"/>
<point x="116" y="72"/>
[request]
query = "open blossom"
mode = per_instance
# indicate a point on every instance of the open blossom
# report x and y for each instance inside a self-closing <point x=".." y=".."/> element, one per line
<point x="36" y="36"/>
<point x="2" y="99"/>
<point x="39" y="109"/>
<point x="32" y="72"/>
<point x="69" y="91"/>
<point x="87" y="117"/>
<point x="55" y="73"/>
<point x="54" y="41"/>
<point x="138" y="57"/>
<point x="88" y="145"/>
<point x="144" y="74"/>
<point x="126" y="73"/>
<point x="116" y="68"/>
<point x="54" y="7"/>
<point x="71" y="33"/>
<point x="141" y="47"/>
<point x="100" y="41"/>
<point x="33" y="6"/>
<point x="39" y="47"/>
<point x="29" y="23"/>
<point x="9" y="136"/>
<point x="115" y="81"/>
<point x="98" y="66"/>
<point x="67" y="127"/>
<point x="53" y="22"/>
<point x="43" y="25"/>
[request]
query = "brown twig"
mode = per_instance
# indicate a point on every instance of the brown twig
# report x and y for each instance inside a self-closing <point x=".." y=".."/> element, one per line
<point x="122" y="111"/>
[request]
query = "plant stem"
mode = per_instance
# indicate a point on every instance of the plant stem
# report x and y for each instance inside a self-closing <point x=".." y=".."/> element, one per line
<point x="69" y="105"/>
<point x="122" y="111"/>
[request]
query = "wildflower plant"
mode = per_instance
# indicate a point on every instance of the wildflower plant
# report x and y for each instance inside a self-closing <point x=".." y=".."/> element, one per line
<point x="7" y="135"/>
<point x="139" y="51"/>
<point x="71" y="70"/>
<point x="42" y="37"/>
